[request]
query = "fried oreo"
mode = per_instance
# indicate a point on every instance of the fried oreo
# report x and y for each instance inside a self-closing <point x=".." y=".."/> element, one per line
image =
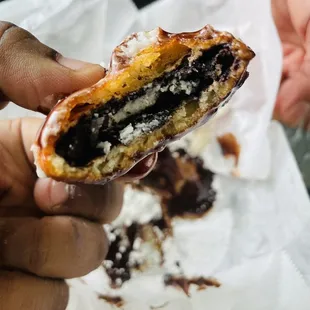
<point x="159" y="86"/>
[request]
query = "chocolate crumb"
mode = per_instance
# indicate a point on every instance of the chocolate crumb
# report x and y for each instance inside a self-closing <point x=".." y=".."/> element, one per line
<point x="119" y="252"/>
<point x="182" y="182"/>
<point x="113" y="300"/>
<point x="230" y="146"/>
<point x="184" y="284"/>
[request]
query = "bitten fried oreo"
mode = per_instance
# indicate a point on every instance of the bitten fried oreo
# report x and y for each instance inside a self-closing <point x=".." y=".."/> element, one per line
<point x="159" y="86"/>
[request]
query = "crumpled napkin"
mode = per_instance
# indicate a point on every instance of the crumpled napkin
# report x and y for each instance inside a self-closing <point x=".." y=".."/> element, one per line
<point x="89" y="30"/>
<point x="261" y="256"/>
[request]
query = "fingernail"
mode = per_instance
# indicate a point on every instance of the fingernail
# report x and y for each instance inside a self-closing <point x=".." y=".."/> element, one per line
<point x="143" y="168"/>
<point x="88" y="69"/>
<point x="3" y="104"/>
<point x="59" y="193"/>
<point x="71" y="63"/>
<point x="151" y="161"/>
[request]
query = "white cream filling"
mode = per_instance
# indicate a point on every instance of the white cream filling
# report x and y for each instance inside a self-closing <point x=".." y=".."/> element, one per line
<point x="150" y="97"/>
<point x="178" y="86"/>
<point x="137" y="105"/>
<point x="129" y="133"/>
<point x="106" y="146"/>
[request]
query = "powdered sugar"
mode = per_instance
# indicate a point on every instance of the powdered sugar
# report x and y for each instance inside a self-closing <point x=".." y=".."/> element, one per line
<point x="126" y="135"/>
<point x="138" y="42"/>
<point x="139" y="207"/>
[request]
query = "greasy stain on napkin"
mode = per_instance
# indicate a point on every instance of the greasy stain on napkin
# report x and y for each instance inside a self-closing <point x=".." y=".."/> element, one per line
<point x="230" y="146"/>
<point x="113" y="300"/>
<point x="184" y="284"/>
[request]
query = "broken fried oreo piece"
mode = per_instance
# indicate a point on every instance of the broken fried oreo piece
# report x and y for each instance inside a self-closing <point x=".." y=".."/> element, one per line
<point x="159" y="86"/>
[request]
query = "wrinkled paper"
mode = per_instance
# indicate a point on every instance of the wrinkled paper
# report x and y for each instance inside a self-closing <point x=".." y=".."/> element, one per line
<point x="255" y="243"/>
<point x="89" y="30"/>
<point x="253" y="103"/>
<point x="256" y="238"/>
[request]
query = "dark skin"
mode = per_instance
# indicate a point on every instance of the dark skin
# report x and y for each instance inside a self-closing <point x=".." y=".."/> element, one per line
<point x="49" y="231"/>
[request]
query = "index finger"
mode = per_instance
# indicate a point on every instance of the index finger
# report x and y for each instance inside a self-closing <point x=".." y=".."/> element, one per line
<point x="35" y="76"/>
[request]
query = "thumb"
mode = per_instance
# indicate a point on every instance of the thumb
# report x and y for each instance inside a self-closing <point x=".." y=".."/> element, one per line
<point x="35" y="76"/>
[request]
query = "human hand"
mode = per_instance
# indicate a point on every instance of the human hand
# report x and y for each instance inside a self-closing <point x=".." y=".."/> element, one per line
<point x="292" y="20"/>
<point x="49" y="230"/>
